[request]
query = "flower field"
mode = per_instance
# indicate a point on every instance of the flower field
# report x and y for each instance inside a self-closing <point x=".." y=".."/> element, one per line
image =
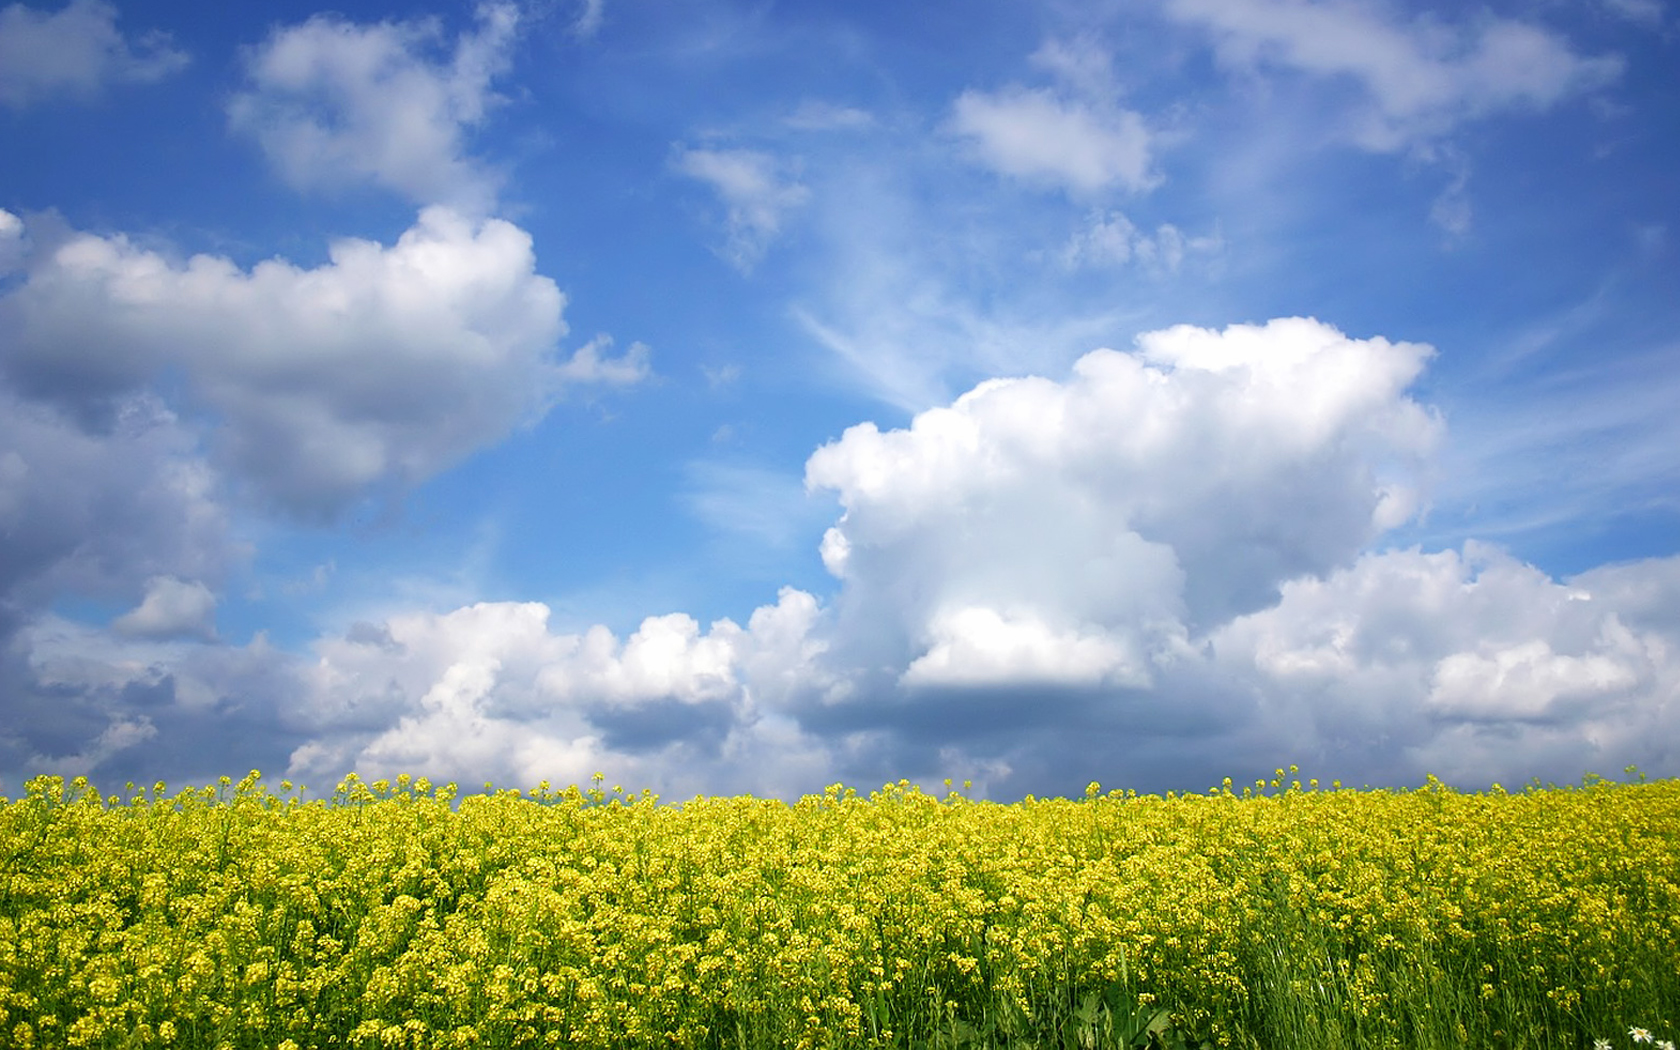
<point x="400" y="915"/>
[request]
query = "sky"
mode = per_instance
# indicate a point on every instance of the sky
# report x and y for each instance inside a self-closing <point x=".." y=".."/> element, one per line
<point x="733" y="396"/>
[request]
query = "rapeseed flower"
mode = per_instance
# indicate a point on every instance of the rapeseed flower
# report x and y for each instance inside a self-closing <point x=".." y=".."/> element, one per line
<point x="395" y="915"/>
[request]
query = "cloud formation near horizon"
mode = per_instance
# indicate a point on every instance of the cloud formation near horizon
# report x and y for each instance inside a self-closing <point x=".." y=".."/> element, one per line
<point x="1156" y="567"/>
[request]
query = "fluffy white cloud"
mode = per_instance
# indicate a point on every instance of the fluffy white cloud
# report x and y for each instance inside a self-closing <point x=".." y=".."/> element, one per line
<point x="1180" y="484"/>
<point x="1077" y="137"/>
<point x="1156" y="572"/>
<point x="333" y="103"/>
<point x="588" y="364"/>
<point x="983" y="568"/>
<point x="382" y="366"/>
<point x="76" y="51"/>
<point x="488" y="690"/>
<point x="755" y="190"/>
<point x="1034" y="134"/>
<point x="1151" y="573"/>
<point x="171" y="608"/>
<point x="1422" y="78"/>
<point x="977" y="646"/>
<point x="1470" y="665"/>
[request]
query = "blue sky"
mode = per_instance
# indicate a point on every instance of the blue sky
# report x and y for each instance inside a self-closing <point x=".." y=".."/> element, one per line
<point x="748" y="397"/>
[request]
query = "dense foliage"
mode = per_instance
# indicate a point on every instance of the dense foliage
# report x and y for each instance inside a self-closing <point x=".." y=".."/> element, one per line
<point x="397" y="915"/>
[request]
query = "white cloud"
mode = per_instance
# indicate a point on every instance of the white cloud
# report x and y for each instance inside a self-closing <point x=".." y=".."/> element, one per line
<point x="1156" y="566"/>
<point x="116" y="707"/>
<point x="1183" y="482"/>
<point x="1473" y="666"/>
<point x="908" y="337"/>
<point x="1077" y="137"/>
<point x="1155" y="571"/>
<point x="383" y="366"/>
<point x="1035" y="135"/>
<point x="588" y="21"/>
<point x="1422" y="78"/>
<point x="1109" y="238"/>
<point x="1523" y="682"/>
<point x="121" y="514"/>
<point x="816" y="115"/>
<point x="666" y="658"/>
<point x="76" y="51"/>
<point x="756" y="192"/>
<point x="171" y="608"/>
<point x="13" y="244"/>
<point x="489" y="691"/>
<point x="333" y="103"/>
<point x="587" y="365"/>
<point x="1451" y="208"/>
<point x="977" y="646"/>
<point x="99" y="513"/>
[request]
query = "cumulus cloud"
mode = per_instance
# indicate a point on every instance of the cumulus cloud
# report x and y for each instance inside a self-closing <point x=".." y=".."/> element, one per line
<point x="1183" y="482"/>
<point x="1076" y="137"/>
<point x="120" y="516"/>
<point x="490" y="691"/>
<point x="99" y="514"/>
<point x="171" y="608"/>
<point x="755" y="190"/>
<point x="380" y="367"/>
<point x="83" y="700"/>
<point x="333" y="103"/>
<point x="978" y="646"/>
<point x="1422" y="78"/>
<point x="1159" y="571"/>
<point x="76" y="52"/>
<point x="1468" y="664"/>
<point x="1032" y="134"/>
<point x="1156" y="571"/>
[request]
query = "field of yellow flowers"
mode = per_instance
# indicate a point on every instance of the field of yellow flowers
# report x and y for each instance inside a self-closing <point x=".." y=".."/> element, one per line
<point x="400" y="915"/>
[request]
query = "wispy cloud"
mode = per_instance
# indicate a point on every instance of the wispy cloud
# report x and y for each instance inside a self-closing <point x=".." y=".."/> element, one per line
<point x="1109" y="238"/>
<point x="76" y="52"/>
<point x="1421" y="78"/>
<point x="756" y="192"/>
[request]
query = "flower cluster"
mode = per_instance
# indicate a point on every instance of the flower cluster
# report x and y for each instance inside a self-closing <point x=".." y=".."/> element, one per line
<point x="397" y="915"/>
